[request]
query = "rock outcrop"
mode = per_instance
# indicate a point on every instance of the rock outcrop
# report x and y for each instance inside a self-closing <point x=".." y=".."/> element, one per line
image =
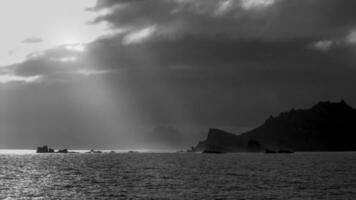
<point x="326" y="126"/>
<point x="44" y="149"/>
<point x="62" y="151"/>
<point x="94" y="151"/>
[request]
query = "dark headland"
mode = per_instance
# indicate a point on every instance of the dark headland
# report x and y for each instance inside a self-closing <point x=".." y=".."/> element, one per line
<point x="327" y="126"/>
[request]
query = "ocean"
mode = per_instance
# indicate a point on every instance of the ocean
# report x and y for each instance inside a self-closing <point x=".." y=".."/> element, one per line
<point x="328" y="175"/>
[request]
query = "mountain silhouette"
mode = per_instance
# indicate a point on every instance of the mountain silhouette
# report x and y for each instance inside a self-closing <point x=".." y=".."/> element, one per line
<point x="327" y="126"/>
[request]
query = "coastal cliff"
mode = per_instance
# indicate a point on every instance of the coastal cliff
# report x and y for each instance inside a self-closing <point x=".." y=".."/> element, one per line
<point x="326" y="126"/>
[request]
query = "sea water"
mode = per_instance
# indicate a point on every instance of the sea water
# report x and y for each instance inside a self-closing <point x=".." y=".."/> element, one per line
<point x="178" y="176"/>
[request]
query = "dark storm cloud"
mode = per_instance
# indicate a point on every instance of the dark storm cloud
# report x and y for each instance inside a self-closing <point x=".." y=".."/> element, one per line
<point x="224" y="81"/>
<point x="198" y="52"/>
<point x="243" y="62"/>
<point x="282" y="19"/>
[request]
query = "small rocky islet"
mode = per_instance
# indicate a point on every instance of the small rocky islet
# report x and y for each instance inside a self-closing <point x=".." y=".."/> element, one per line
<point x="47" y="149"/>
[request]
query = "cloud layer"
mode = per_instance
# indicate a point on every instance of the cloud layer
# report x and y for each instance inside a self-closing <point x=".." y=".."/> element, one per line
<point x="251" y="19"/>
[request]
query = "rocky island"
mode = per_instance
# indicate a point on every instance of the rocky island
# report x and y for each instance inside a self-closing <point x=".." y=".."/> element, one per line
<point x="327" y="126"/>
<point x="46" y="149"/>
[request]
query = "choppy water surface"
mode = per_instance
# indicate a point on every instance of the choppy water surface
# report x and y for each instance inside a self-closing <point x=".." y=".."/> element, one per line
<point x="178" y="176"/>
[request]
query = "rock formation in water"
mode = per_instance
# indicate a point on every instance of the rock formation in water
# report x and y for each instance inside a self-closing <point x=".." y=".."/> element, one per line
<point x="62" y="151"/>
<point x="44" y="149"/>
<point x="324" y="127"/>
<point x="94" y="151"/>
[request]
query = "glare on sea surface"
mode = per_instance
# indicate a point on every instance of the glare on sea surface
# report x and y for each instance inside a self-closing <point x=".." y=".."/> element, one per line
<point x="17" y="151"/>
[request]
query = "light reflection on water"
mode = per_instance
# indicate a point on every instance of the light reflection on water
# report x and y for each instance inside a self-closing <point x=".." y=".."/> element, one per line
<point x="178" y="176"/>
<point x="17" y="151"/>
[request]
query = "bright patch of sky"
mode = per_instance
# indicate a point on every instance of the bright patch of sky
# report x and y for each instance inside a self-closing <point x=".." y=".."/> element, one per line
<point x="51" y="23"/>
<point x="323" y="45"/>
<point x="6" y="78"/>
<point x="138" y="36"/>
<point x="253" y="4"/>
<point x="352" y="37"/>
<point x="224" y="7"/>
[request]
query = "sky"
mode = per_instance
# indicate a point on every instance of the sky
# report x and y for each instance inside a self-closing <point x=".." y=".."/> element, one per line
<point x="156" y="74"/>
